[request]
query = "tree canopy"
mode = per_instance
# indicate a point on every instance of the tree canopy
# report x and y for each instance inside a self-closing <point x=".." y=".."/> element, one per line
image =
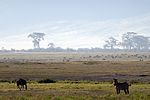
<point x="37" y="37"/>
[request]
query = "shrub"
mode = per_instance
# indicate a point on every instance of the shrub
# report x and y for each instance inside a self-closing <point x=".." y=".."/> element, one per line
<point x="5" y="81"/>
<point x="90" y="62"/>
<point x="133" y="81"/>
<point x="46" y="81"/>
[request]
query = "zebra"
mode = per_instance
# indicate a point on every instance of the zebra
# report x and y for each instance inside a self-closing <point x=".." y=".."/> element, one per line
<point x="21" y="83"/>
<point x="121" y="86"/>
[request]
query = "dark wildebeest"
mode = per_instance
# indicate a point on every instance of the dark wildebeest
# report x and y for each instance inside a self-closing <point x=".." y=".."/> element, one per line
<point x="21" y="83"/>
<point x="121" y="86"/>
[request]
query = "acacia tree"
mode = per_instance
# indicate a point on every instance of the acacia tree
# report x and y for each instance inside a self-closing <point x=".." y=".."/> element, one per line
<point x="51" y="45"/>
<point x="37" y="37"/>
<point x="141" y="42"/>
<point x="127" y="40"/>
<point x="110" y="43"/>
<point x="132" y="40"/>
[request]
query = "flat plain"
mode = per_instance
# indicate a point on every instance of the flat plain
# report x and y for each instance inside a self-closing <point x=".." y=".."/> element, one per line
<point x="78" y="75"/>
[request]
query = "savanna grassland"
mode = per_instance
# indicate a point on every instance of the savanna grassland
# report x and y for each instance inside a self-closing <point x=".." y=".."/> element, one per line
<point x="72" y="91"/>
<point x="77" y="76"/>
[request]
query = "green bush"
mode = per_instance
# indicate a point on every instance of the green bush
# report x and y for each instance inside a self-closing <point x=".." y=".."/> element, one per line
<point x="5" y="81"/>
<point x="46" y="81"/>
<point x="90" y="62"/>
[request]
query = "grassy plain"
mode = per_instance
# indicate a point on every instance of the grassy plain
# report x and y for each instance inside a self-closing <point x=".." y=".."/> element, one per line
<point x="72" y="91"/>
<point x="78" y="76"/>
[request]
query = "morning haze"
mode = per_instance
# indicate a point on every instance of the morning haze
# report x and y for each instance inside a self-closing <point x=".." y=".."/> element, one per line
<point x="74" y="50"/>
<point x="91" y="22"/>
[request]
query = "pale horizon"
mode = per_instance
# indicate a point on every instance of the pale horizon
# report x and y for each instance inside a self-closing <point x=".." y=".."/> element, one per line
<point x="76" y="24"/>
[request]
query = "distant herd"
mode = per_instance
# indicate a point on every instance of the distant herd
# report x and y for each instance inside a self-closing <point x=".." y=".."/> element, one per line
<point x="22" y="85"/>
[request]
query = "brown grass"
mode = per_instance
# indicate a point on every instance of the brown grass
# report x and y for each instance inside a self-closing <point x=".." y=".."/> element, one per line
<point x="98" y="70"/>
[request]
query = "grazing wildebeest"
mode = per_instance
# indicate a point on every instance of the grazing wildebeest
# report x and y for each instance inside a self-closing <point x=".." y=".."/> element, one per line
<point x="21" y="83"/>
<point x="121" y="86"/>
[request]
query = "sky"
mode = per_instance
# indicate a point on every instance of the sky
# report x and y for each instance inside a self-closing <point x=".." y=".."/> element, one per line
<point x="71" y="23"/>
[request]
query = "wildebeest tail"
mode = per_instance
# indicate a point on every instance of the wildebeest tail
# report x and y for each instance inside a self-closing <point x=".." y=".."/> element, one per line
<point x="129" y="84"/>
<point x="26" y="86"/>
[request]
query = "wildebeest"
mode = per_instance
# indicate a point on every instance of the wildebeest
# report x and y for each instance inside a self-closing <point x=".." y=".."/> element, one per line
<point x="121" y="86"/>
<point x="21" y="83"/>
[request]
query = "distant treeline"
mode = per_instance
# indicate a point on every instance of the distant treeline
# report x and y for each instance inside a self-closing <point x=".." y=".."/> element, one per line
<point x="59" y="49"/>
<point x="130" y="41"/>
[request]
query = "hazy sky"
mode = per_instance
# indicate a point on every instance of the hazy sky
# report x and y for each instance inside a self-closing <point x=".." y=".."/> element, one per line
<point x="71" y="23"/>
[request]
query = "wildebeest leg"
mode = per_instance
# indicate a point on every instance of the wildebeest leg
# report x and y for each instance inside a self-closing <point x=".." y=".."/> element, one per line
<point x="128" y="91"/>
<point x="19" y="88"/>
<point x="26" y="86"/>
<point x="22" y="87"/>
<point x="125" y="91"/>
<point x="117" y="90"/>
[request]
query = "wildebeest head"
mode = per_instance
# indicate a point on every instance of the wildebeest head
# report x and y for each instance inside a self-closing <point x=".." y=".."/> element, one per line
<point x="115" y="81"/>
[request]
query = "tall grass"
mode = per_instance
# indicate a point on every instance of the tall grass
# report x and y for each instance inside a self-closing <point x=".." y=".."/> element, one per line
<point x="72" y="91"/>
